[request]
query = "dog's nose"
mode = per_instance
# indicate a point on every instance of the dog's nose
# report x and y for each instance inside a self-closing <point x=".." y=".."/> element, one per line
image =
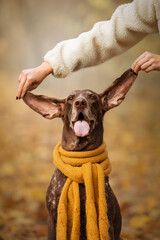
<point x="80" y="102"/>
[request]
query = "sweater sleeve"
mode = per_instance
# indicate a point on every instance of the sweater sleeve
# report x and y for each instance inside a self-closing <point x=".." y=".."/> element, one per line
<point x="129" y="24"/>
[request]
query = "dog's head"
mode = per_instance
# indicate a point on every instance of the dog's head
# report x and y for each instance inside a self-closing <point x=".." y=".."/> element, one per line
<point x="82" y="110"/>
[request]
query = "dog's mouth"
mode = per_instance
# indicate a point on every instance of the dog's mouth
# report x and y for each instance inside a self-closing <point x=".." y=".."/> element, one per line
<point x="82" y="126"/>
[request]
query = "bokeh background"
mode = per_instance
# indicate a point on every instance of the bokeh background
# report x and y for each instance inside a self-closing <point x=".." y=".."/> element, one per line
<point x="28" y="29"/>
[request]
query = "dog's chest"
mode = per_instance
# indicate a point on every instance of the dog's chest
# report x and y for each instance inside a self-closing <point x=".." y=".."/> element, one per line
<point x="55" y="188"/>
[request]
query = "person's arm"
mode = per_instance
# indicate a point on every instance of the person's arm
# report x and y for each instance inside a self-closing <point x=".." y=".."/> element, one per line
<point x="129" y="24"/>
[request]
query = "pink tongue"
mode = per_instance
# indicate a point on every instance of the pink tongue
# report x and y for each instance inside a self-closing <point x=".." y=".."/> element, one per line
<point x="81" y="128"/>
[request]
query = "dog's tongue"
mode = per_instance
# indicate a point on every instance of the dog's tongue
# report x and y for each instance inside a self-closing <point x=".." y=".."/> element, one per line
<point x="81" y="128"/>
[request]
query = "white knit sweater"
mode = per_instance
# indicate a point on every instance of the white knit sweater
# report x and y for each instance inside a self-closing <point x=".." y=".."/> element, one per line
<point x="129" y="24"/>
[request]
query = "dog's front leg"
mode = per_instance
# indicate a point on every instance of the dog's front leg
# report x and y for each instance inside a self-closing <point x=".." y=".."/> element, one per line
<point x="51" y="233"/>
<point x="111" y="233"/>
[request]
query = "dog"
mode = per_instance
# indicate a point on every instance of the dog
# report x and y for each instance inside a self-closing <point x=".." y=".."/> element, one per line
<point x="82" y="113"/>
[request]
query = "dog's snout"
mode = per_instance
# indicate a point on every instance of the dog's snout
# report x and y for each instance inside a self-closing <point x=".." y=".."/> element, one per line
<point x="80" y="102"/>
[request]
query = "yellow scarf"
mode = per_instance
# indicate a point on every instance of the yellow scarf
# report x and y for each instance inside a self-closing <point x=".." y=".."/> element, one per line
<point x="88" y="167"/>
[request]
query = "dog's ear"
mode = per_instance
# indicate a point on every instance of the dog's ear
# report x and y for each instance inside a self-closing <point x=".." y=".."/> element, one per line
<point x="47" y="107"/>
<point x="115" y="94"/>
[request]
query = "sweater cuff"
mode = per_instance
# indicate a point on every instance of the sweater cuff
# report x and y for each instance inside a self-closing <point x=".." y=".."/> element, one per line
<point x="54" y="59"/>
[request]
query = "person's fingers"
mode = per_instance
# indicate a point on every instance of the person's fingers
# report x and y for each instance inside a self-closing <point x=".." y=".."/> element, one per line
<point x="19" y="80"/>
<point x="140" y="63"/>
<point x="137" y="66"/>
<point x="134" y="65"/>
<point x="21" y="85"/>
<point x="146" y="62"/>
<point x="149" y="69"/>
<point x="146" y="65"/>
<point x="20" y="77"/>
<point x="146" y="56"/>
<point x="25" y="89"/>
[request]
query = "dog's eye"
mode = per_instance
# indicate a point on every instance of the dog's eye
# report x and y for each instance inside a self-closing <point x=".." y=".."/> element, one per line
<point x="70" y="98"/>
<point x="92" y="96"/>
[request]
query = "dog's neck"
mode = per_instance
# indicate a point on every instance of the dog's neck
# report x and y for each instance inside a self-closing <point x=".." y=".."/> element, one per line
<point x="71" y="142"/>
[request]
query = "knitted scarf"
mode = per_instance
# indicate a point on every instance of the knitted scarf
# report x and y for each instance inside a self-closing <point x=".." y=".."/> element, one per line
<point x="89" y="168"/>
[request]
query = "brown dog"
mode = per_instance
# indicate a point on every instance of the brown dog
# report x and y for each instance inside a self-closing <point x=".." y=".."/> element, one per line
<point x="82" y="114"/>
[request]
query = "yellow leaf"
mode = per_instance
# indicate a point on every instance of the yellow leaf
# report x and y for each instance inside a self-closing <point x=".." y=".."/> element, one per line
<point x="139" y="221"/>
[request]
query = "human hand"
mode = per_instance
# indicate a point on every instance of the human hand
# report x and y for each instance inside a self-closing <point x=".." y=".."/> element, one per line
<point x="146" y="62"/>
<point x="29" y="79"/>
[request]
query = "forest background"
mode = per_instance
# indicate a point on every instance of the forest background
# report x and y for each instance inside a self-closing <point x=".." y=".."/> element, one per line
<point x="28" y="29"/>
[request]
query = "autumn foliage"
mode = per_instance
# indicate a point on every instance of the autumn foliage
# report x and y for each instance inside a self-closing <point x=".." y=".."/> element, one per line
<point x="27" y="140"/>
